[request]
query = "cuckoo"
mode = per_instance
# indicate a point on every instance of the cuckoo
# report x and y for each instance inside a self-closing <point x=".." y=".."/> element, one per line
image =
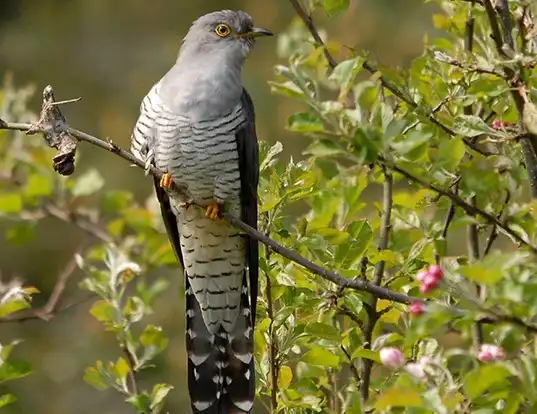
<point x="197" y="125"/>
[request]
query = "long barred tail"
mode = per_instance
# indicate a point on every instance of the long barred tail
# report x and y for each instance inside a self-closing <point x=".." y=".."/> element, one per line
<point x="221" y="372"/>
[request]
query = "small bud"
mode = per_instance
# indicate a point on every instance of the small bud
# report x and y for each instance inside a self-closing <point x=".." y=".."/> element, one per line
<point x="495" y="352"/>
<point x="416" y="370"/>
<point x="497" y="124"/>
<point x="436" y="271"/>
<point x="484" y="356"/>
<point x="415" y="308"/>
<point x="391" y="357"/>
<point x="421" y="275"/>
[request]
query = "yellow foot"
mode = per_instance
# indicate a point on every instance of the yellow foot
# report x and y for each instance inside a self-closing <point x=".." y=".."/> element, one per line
<point x="212" y="211"/>
<point x="166" y="181"/>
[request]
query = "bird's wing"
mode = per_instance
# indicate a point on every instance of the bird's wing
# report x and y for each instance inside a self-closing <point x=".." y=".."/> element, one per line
<point x="247" y="147"/>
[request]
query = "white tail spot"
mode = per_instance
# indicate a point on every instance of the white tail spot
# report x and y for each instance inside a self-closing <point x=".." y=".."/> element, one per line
<point x="197" y="359"/>
<point x="244" y="405"/>
<point x="228" y="380"/>
<point x="191" y="333"/>
<point x="196" y="374"/>
<point x="202" y="405"/>
<point x="246" y="312"/>
<point x="245" y="358"/>
<point x="190" y="313"/>
<point x="217" y="379"/>
<point x="247" y="375"/>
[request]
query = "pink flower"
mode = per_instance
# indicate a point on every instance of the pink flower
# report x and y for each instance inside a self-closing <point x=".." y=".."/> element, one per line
<point x="489" y="352"/>
<point x="436" y="271"/>
<point x="391" y="357"/>
<point x="421" y="275"/>
<point x="497" y="124"/>
<point x="484" y="356"/>
<point x="416" y="370"/>
<point x="415" y="308"/>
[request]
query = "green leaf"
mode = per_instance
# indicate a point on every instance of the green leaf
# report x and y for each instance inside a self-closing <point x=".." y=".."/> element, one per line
<point x="269" y="157"/>
<point x="482" y="378"/>
<point x="103" y="311"/>
<point x="450" y="153"/>
<point x="95" y="378"/>
<point x="288" y="88"/>
<point x="12" y="306"/>
<point x="305" y="122"/>
<point x="140" y="402"/>
<point x="38" y="185"/>
<point x="345" y="72"/>
<point x="323" y="330"/>
<point x="411" y="141"/>
<point x="470" y="126"/>
<point x="366" y="353"/>
<point x="14" y="369"/>
<point x="122" y="369"/>
<point x="7" y="399"/>
<point x="158" y="394"/>
<point x="529" y="117"/>
<point x="321" y="357"/>
<point x="398" y="397"/>
<point x="325" y="148"/>
<point x="88" y="183"/>
<point x="333" y="7"/>
<point x="10" y="203"/>
<point x="482" y="274"/>
<point x="20" y="234"/>
<point x="285" y="376"/>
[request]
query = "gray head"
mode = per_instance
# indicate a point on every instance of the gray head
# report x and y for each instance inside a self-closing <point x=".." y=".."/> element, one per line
<point x="226" y="33"/>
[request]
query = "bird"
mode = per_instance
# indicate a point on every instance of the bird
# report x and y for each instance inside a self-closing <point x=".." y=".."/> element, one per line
<point x="197" y="126"/>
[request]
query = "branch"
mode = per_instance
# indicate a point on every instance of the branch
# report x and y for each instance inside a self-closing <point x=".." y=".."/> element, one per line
<point x="371" y="309"/>
<point x="444" y="58"/>
<point x="308" y="22"/>
<point x="362" y="285"/>
<point x="528" y="141"/>
<point x="51" y="308"/>
<point x="273" y="346"/>
<point x="468" y="208"/>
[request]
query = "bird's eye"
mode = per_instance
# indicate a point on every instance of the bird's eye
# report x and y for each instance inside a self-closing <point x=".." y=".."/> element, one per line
<point x="222" y="30"/>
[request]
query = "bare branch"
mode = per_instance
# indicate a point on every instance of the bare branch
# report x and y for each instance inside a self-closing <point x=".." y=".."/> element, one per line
<point x="52" y="307"/>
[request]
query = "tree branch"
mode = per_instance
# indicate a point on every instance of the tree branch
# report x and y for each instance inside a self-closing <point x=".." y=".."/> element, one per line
<point x="51" y="308"/>
<point x="528" y="141"/>
<point x="468" y="208"/>
<point x="362" y="285"/>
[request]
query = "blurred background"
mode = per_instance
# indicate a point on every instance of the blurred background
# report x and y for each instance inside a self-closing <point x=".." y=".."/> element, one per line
<point x="110" y="53"/>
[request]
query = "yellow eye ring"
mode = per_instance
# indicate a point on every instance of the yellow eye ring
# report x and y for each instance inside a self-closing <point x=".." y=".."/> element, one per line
<point x="222" y="30"/>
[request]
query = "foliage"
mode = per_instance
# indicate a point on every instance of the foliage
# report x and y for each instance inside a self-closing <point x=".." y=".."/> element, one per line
<point x="446" y="143"/>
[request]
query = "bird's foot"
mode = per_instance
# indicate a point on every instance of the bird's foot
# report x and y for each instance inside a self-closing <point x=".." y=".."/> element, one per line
<point x="166" y="181"/>
<point x="212" y="211"/>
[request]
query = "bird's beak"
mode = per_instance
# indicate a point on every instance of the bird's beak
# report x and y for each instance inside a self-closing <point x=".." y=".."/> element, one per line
<point x="256" y="32"/>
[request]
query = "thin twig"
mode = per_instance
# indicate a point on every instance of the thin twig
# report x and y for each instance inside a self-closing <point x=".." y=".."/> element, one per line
<point x="273" y="346"/>
<point x="330" y="275"/>
<point x="528" y="141"/>
<point x="469" y="209"/>
<point x="371" y="307"/>
<point x="132" y="372"/>
<point x="52" y="307"/>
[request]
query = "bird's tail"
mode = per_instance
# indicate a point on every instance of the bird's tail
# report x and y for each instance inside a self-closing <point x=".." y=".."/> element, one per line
<point x="221" y="372"/>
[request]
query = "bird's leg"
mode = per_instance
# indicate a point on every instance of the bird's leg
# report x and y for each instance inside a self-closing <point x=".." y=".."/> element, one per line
<point x="166" y="181"/>
<point x="212" y="211"/>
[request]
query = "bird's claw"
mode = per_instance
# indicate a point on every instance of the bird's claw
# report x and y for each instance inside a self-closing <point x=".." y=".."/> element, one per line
<point x="212" y="211"/>
<point x="166" y="181"/>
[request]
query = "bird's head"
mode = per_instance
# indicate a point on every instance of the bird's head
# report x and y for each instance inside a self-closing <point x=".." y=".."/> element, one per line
<point x="227" y="32"/>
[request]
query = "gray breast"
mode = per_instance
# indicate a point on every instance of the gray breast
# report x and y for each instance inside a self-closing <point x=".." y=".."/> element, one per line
<point x="202" y="155"/>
